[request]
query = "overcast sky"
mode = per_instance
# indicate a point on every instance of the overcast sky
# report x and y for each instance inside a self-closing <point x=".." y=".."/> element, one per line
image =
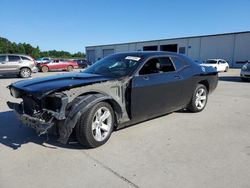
<point x="73" y="24"/>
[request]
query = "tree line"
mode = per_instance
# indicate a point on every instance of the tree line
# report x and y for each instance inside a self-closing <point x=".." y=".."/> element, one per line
<point x="7" y="46"/>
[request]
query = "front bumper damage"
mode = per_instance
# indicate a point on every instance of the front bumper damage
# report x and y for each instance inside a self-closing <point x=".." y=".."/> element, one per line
<point x="40" y="125"/>
<point x="44" y="115"/>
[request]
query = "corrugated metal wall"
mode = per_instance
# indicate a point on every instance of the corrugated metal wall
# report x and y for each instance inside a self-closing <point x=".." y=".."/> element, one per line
<point x="235" y="48"/>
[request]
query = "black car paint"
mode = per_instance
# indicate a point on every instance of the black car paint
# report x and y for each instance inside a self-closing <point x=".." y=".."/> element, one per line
<point x="134" y="98"/>
<point x="43" y="86"/>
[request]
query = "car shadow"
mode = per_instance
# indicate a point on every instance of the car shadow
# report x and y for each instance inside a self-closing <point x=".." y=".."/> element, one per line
<point x="13" y="135"/>
<point x="9" y="77"/>
<point x="230" y="78"/>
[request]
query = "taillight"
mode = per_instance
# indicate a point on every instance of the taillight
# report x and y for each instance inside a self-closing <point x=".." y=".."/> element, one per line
<point x="34" y="62"/>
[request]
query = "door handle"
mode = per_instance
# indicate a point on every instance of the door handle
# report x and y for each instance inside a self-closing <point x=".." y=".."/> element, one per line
<point x="145" y="77"/>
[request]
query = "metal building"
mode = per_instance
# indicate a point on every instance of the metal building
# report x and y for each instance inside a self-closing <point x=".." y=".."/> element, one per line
<point x="233" y="47"/>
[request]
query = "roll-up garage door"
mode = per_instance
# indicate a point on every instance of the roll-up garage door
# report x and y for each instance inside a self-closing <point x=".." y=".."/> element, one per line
<point x="91" y="55"/>
<point x="107" y="52"/>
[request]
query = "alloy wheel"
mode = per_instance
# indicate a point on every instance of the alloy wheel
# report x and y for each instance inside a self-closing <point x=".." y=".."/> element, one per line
<point x="201" y="98"/>
<point x="101" y="124"/>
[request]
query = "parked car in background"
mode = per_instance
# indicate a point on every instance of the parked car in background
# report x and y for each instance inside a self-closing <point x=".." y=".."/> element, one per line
<point x="57" y="64"/>
<point x="83" y="63"/>
<point x="219" y="64"/>
<point x="245" y="72"/>
<point x="16" y="64"/>
<point x="117" y="91"/>
<point x="43" y="60"/>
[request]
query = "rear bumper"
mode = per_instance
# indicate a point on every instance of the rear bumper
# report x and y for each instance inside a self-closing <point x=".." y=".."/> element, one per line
<point x="34" y="69"/>
<point x="40" y="125"/>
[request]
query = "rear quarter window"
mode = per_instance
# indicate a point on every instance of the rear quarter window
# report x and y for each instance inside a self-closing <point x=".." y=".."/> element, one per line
<point x="25" y="58"/>
<point x="179" y="63"/>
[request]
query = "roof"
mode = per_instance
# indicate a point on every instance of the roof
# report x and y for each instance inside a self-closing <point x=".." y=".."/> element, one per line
<point x="212" y="35"/>
<point x="17" y="54"/>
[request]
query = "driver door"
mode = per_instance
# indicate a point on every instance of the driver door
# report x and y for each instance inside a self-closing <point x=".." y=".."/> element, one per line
<point x="157" y="89"/>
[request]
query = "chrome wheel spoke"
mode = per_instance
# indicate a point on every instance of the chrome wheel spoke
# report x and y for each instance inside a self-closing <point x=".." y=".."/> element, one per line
<point x="101" y="124"/>
<point x="94" y="125"/>
<point x="104" y="127"/>
<point x="104" y="116"/>
<point x="98" y="114"/>
<point x="203" y="98"/>
<point x="98" y="134"/>
<point x="196" y="103"/>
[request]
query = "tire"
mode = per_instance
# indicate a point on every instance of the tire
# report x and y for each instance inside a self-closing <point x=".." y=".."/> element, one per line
<point x="25" y="73"/>
<point x="227" y="68"/>
<point x="243" y="79"/>
<point x="90" y="131"/>
<point x="45" y="69"/>
<point x="70" y="68"/>
<point x="199" y="99"/>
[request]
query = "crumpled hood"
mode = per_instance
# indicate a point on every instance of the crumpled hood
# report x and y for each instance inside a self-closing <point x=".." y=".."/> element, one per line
<point x="45" y="85"/>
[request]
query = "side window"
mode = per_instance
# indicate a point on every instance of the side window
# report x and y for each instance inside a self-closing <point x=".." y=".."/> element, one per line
<point x="157" y="65"/>
<point x="2" y="58"/>
<point x="150" y="67"/>
<point x="222" y="61"/>
<point x="178" y="62"/>
<point x="14" y="58"/>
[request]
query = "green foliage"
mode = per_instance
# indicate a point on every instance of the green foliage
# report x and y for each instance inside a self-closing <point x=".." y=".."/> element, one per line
<point x="23" y="48"/>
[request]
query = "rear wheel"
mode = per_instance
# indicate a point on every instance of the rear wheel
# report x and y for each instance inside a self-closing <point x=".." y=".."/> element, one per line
<point x="70" y="68"/>
<point x="45" y="69"/>
<point x="95" y="125"/>
<point x="25" y="73"/>
<point x="199" y="99"/>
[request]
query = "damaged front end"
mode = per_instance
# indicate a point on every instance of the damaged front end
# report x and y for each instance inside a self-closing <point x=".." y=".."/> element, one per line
<point x="59" y="111"/>
<point x="40" y="114"/>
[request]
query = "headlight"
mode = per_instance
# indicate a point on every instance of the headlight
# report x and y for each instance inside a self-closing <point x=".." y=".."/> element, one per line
<point x="14" y="92"/>
<point x="244" y="67"/>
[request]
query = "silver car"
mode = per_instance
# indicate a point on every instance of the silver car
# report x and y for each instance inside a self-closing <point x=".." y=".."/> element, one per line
<point x="21" y="65"/>
<point x="245" y="72"/>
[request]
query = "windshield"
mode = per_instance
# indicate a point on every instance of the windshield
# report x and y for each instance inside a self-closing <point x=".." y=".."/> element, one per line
<point x="117" y="65"/>
<point x="211" y="61"/>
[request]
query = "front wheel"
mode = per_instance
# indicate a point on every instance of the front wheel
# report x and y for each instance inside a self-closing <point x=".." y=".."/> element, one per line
<point x="199" y="99"/>
<point x="95" y="125"/>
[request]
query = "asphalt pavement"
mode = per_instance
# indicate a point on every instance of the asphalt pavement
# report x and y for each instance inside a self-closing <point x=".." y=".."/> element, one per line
<point x="207" y="149"/>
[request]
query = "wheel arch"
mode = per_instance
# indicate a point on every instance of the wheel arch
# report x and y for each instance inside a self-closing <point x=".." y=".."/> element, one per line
<point x="205" y="83"/>
<point x="80" y="105"/>
<point x="26" y="67"/>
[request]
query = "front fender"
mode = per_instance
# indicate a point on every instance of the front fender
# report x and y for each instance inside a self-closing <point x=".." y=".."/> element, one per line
<point x="80" y="105"/>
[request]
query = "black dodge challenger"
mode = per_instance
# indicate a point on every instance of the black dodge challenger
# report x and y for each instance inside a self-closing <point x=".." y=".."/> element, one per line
<point x="117" y="91"/>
